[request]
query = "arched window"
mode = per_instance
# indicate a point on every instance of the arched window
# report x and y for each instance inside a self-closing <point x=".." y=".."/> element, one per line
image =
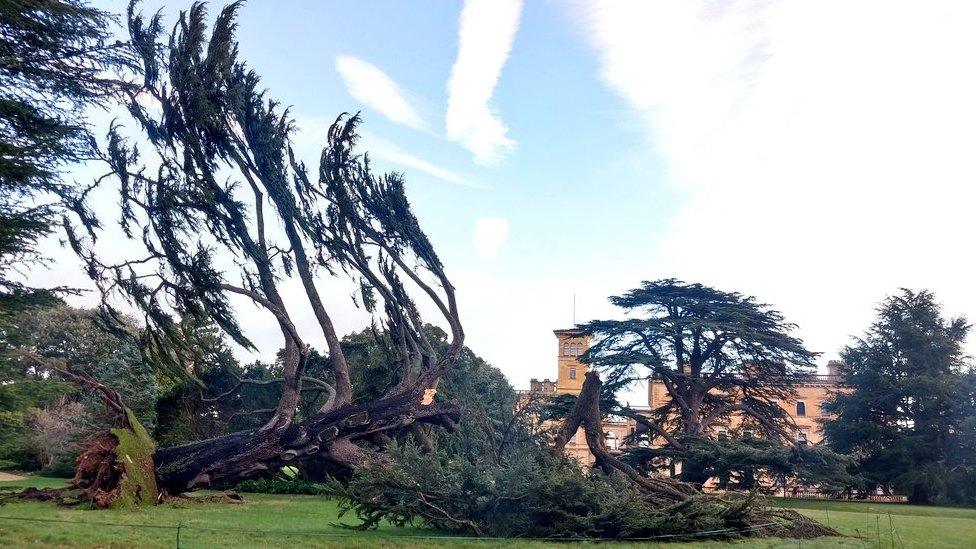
<point x="801" y="408"/>
<point x="567" y="349"/>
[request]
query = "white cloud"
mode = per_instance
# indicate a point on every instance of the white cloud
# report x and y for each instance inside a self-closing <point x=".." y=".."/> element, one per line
<point x="371" y="86"/>
<point x="381" y="149"/>
<point x="489" y="235"/>
<point x="485" y="37"/>
<point x="825" y="148"/>
<point x="312" y="137"/>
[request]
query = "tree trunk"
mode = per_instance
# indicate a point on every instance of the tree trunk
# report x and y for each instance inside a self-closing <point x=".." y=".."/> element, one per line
<point x="586" y="412"/>
<point x="326" y="436"/>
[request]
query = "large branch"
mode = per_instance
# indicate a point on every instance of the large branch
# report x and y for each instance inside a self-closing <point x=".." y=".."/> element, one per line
<point x="650" y="424"/>
<point x="110" y="397"/>
<point x="586" y="413"/>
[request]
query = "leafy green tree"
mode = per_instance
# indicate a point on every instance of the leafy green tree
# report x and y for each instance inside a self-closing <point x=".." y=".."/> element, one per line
<point x="183" y="414"/>
<point x="909" y="415"/>
<point x="56" y="59"/>
<point x="717" y="353"/>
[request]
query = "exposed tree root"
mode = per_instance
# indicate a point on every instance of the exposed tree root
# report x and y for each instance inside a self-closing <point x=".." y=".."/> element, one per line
<point x="102" y="478"/>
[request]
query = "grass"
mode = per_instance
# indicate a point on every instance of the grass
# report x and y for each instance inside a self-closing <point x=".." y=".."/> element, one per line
<point x="310" y="521"/>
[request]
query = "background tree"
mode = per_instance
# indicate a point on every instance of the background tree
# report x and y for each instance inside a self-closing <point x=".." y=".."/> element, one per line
<point x="717" y="353"/>
<point x="56" y="60"/>
<point x="908" y="418"/>
<point x="747" y="463"/>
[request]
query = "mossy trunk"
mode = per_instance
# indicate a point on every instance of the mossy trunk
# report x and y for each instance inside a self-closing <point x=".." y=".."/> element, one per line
<point x="114" y="469"/>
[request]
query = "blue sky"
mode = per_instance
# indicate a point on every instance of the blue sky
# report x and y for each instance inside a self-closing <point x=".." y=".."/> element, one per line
<point x="816" y="155"/>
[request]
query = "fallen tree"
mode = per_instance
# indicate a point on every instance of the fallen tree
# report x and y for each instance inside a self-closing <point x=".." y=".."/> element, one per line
<point x="216" y="207"/>
<point x="743" y="514"/>
<point x="518" y="485"/>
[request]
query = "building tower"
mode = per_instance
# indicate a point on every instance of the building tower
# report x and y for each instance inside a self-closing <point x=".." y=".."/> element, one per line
<point x="572" y="343"/>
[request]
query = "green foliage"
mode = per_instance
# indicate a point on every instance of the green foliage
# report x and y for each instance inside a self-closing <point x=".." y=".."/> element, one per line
<point x="15" y="446"/>
<point x="222" y="394"/>
<point x="54" y="59"/>
<point x="63" y="465"/>
<point x="283" y="486"/>
<point x="532" y="494"/>
<point x="183" y="414"/>
<point x="740" y="463"/>
<point x="910" y="416"/>
<point x="76" y="339"/>
<point x="493" y="477"/>
<point x="723" y="350"/>
<point x="718" y="354"/>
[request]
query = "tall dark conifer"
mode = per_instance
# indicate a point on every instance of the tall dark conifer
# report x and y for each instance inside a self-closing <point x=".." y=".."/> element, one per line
<point x="56" y="60"/>
<point x="906" y="418"/>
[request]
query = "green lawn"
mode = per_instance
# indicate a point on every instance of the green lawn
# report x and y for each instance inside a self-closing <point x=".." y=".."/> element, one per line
<point x="304" y="521"/>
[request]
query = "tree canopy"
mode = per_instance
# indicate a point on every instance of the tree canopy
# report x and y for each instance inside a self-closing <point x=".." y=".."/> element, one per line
<point x="56" y="61"/>
<point x="718" y="353"/>
<point x="910" y="415"/>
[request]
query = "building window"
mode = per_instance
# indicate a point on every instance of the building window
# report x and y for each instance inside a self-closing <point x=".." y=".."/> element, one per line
<point x="747" y="434"/>
<point x="823" y="412"/>
<point x="572" y="373"/>
<point x="801" y="408"/>
<point x="723" y="435"/>
<point x="801" y="438"/>
<point x="612" y="440"/>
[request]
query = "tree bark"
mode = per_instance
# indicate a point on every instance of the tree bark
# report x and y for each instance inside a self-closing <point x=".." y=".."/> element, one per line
<point x="326" y="435"/>
<point x="586" y="412"/>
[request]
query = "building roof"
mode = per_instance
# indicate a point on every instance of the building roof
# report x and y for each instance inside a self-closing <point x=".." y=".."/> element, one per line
<point x="572" y="332"/>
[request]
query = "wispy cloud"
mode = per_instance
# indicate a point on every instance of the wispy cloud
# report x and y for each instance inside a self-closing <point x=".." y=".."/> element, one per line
<point x="485" y="38"/>
<point x="825" y="148"/>
<point x="371" y="86"/>
<point x="490" y="233"/>
<point x="311" y="137"/>
<point x="381" y="149"/>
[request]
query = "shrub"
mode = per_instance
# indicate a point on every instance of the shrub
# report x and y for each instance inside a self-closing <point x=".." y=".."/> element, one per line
<point x="280" y="486"/>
